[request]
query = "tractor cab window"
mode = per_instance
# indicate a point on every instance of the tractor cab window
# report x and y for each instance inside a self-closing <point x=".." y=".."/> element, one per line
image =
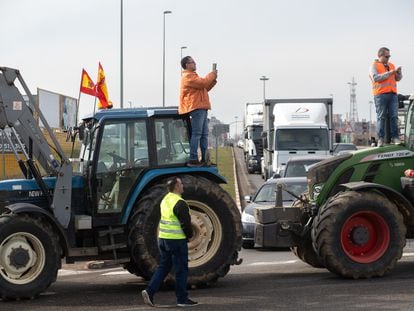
<point x="172" y="141"/>
<point x="123" y="155"/>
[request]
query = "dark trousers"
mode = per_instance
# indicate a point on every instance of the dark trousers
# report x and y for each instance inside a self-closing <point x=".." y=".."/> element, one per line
<point x="199" y="133"/>
<point x="386" y="106"/>
<point x="172" y="253"/>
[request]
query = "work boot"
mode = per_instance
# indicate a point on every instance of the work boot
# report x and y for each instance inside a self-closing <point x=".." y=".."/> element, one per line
<point x="194" y="163"/>
<point x="380" y="142"/>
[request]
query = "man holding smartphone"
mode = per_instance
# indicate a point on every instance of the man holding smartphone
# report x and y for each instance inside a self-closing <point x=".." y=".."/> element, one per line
<point x="194" y="101"/>
<point x="384" y="76"/>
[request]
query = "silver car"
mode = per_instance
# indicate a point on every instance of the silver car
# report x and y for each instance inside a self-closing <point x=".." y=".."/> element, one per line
<point x="297" y="166"/>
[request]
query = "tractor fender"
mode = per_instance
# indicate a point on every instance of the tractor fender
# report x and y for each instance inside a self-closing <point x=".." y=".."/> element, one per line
<point x="154" y="176"/>
<point x="27" y="208"/>
<point x="404" y="206"/>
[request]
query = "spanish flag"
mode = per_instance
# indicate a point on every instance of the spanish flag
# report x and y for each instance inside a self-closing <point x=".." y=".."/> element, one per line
<point x="102" y="90"/>
<point x="87" y="86"/>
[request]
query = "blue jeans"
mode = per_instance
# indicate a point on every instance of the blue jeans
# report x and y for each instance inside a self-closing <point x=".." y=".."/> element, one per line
<point x="386" y="105"/>
<point x="172" y="253"/>
<point x="199" y="133"/>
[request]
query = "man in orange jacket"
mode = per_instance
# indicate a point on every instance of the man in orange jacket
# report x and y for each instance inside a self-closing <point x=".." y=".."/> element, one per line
<point x="194" y="101"/>
<point x="384" y="77"/>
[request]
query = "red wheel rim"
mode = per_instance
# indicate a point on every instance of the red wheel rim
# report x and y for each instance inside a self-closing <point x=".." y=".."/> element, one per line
<point x="365" y="237"/>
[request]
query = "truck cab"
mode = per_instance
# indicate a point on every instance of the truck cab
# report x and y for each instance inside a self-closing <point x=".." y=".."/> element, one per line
<point x="253" y="127"/>
<point x="295" y="127"/>
<point x="253" y="147"/>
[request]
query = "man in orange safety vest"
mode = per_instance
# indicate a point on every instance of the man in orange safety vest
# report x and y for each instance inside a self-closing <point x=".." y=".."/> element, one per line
<point x="384" y="77"/>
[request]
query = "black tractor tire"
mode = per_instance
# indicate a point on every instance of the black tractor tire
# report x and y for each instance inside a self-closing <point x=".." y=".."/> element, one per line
<point x="303" y="249"/>
<point x="140" y="236"/>
<point x="216" y="225"/>
<point x="359" y="234"/>
<point x="30" y="256"/>
<point x="302" y="245"/>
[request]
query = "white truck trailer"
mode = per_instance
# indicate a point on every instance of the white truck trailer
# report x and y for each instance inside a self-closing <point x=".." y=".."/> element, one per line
<point x="294" y="127"/>
<point x="253" y="145"/>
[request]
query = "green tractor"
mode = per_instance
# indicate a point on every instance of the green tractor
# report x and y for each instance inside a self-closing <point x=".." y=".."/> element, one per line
<point x="358" y="213"/>
<point x="363" y="207"/>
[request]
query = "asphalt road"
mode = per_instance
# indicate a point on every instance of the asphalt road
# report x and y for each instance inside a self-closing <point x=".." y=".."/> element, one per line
<point x="266" y="280"/>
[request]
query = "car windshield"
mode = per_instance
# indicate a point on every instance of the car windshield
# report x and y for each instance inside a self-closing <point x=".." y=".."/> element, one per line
<point x="255" y="132"/>
<point x="299" y="168"/>
<point x="341" y="147"/>
<point x="302" y="139"/>
<point x="267" y="193"/>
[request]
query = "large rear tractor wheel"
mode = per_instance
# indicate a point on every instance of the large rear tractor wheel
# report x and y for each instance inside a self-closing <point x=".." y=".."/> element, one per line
<point x="359" y="234"/>
<point x="302" y="245"/>
<point x="29" y="256"/>
<point x="216" y="226"/>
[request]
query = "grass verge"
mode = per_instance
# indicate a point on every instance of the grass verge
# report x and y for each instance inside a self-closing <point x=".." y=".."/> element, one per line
<point x="225" y="165"/>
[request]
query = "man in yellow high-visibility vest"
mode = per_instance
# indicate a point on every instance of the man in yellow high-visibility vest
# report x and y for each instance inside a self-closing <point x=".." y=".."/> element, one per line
<point x="174" y="232"/>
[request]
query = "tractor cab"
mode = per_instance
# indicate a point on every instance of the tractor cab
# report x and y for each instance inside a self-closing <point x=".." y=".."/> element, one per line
<point x="118" y="146"/>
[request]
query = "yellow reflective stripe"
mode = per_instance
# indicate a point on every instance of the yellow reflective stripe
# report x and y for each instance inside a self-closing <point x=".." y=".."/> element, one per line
<point x="171" y="231"/>
<point x="165" y="222"/>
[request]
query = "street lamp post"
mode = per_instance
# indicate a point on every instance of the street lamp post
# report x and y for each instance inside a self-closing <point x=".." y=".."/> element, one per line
<point x="181" y="51"/>
<point x="181" y="57"/>
<point x="235" y="134"/>
<point x="163" y="58"/>
<point x="264" y="79"/>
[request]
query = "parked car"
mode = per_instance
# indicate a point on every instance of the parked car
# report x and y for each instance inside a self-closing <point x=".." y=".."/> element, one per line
<point x="340" y="148"/>
<point x="298" y="166"/>
<point x="266" y="195"/>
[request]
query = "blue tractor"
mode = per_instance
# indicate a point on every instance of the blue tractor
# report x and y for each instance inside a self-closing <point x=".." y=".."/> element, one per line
<point x="104" y="205"/>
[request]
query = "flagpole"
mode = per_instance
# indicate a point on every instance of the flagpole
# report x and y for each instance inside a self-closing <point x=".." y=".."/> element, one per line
<point x="94" y="107"/>
<point x="72" y="130"/>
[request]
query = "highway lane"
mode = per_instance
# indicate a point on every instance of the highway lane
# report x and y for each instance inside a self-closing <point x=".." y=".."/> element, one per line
<point x="266" y="280"/>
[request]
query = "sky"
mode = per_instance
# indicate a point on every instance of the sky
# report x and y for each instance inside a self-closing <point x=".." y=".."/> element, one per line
<point x="306" y="48"/>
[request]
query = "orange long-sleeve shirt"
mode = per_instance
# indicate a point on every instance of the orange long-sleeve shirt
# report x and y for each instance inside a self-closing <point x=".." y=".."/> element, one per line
<point x="194" y="91"/>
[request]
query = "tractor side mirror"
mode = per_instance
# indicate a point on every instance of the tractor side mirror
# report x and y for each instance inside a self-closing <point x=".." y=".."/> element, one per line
<point x="81" y="131"/>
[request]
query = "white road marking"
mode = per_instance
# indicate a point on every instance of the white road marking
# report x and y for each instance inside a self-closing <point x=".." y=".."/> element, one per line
<point x="64" y="272"/>
<point x="116" y="273"/>
<point x="408" y="254"/>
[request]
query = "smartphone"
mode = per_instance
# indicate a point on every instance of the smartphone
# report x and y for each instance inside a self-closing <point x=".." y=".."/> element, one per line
<point x="214" y="66"/>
